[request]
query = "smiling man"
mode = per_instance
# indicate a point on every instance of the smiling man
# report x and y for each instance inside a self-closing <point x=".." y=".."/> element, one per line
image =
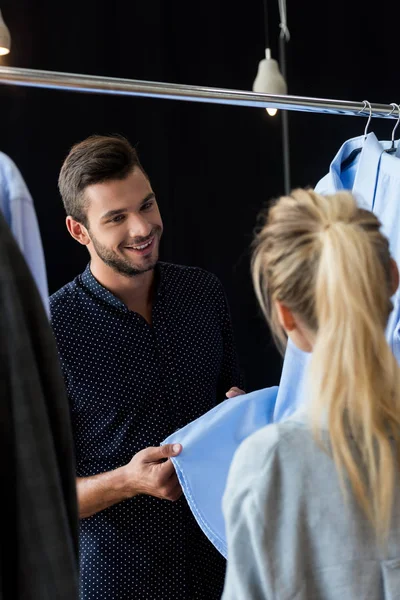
<point x="145" y="347"/>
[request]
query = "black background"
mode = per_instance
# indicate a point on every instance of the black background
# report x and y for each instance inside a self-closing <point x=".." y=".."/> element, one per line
<point x="212" y="166"/>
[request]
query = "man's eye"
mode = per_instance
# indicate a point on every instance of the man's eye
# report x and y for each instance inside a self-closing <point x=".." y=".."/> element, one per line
<point x="147" y="205"/>
<point x="117" y="219"/>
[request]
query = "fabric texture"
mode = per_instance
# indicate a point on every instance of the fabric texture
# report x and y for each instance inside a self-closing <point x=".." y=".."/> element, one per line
<point x="291" y="533"/>
<point x="16" y="204"/>
<point x="209" y="444"/>
<point x="39" y="539"/>
<point x="130" y="385"/>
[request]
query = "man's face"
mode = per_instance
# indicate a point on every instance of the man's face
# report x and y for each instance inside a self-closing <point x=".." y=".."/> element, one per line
<point x="124" y="223"/>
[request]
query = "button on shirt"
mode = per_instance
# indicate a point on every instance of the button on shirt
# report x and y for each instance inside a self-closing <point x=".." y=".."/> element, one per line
<point x="130" y="385"/>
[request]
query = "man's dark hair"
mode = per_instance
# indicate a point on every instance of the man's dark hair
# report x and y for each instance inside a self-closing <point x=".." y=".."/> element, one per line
<point x="95" y="160"/>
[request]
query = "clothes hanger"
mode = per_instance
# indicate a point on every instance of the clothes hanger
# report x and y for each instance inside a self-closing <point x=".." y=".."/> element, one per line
<point x="348" y="161"/>
<point x="393" y="148"/>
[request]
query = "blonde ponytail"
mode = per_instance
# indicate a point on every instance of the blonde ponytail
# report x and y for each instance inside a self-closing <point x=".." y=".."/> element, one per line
<point x="327" y="261"/>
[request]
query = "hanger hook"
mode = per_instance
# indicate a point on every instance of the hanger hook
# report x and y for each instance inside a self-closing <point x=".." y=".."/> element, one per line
<point x="397" y="122"/>
<point x="367" y="104"/>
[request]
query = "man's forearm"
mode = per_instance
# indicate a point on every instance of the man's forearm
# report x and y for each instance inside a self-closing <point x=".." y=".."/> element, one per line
<point x="101" y="491"/>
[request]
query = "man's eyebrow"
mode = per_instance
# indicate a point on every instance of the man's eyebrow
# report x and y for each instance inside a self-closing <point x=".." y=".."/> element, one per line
<point x="121" y="211"/>
<point x="113" y="213"/>
<point x="150" y="196"/>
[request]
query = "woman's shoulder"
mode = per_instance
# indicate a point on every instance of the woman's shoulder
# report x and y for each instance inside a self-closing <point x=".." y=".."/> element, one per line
<point x="278" y="456"/>
<point x="273" y="440"/>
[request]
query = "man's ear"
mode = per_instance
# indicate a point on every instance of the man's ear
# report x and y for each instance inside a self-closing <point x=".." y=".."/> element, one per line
<point x="78" y="231"/>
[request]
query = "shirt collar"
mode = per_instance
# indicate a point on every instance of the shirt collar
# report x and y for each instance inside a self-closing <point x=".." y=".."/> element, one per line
<point x="343" y="153"/>
<point x="366" y="165"/>
<point x="103" y="294"/>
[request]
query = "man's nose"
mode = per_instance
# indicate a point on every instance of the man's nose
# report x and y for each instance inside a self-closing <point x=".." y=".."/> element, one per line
<point x="139" y="226"/>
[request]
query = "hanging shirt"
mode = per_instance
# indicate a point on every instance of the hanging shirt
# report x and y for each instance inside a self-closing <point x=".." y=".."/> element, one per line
<point x="291" y="533"/>
<point x="374" y="179"/>
<point x="130" y="385"/>
<point x="16" y="204"/>
<point x="39" y="536"/>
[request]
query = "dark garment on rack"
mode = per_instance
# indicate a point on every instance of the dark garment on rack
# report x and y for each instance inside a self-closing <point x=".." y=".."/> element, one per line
<point x="39" y="538"/>
<point x="130" y="385"/>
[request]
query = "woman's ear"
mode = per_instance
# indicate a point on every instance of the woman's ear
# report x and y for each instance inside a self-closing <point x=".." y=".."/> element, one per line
<point x="295" y="329"/>
<point x="285" y="317"/>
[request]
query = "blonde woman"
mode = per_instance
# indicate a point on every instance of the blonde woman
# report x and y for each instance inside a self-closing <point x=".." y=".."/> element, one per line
<point x="312" y="505"/>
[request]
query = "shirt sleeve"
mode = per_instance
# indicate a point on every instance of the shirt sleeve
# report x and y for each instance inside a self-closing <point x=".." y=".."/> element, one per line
<point x="22" y="219"/>
<point x="230" y="374"/>
<point x="26" y="231"/>
<point x="249" y="574"/>
<point x="247" y="571"/>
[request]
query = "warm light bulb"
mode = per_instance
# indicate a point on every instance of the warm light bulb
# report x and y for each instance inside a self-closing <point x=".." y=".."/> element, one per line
<point x="271" y="111"/>
<point x="4" y="51"/>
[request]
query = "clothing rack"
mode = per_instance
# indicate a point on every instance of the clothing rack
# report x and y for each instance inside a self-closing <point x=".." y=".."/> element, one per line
<point x="151" y="89"/>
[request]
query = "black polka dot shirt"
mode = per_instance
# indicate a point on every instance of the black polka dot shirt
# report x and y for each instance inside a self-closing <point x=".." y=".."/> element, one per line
<point x="130" y="385"/>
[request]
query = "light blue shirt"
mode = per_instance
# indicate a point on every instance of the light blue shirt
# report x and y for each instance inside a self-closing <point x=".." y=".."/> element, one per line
<point x="210" y="442"/>
<point x="17" y="206"/>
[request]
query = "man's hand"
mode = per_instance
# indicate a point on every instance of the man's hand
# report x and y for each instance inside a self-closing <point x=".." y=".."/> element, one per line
<point x="234" y="391"/>
<point x="151" y="472"/>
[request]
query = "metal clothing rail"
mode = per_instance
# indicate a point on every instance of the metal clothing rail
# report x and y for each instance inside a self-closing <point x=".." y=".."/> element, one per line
<point x="131" y="87"/>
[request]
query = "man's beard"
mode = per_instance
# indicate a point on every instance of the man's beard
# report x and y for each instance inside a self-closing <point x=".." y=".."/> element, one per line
<point x="120" y="264"/>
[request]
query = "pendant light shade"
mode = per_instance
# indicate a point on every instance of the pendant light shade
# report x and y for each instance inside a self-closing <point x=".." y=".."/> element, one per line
<point x="269" y="79"/>
<point x="5" y="37"/>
